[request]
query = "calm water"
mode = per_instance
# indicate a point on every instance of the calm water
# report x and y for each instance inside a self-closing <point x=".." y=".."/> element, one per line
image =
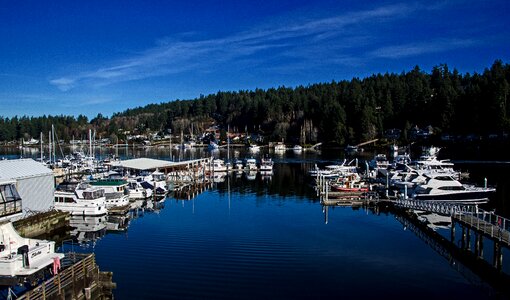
<point x="267" y="239"/>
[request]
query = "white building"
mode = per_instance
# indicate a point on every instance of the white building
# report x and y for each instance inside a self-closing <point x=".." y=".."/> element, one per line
<point x="34" y="182"/>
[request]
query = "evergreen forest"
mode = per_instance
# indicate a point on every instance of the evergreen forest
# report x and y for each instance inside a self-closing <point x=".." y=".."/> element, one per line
<point x="339" y="113"/>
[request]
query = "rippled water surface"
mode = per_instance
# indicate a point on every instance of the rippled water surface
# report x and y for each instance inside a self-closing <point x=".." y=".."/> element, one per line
<point x="262" y="241"/>
<point x="269" y="238"/>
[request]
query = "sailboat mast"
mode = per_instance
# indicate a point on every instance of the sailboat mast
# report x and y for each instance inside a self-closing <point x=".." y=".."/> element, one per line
<point x="228" y="144"/>
<point x="42" y="154"/>
<point x="49" y="145"/>
<point x="53" y="140"/>
<point x="90" y="142"/>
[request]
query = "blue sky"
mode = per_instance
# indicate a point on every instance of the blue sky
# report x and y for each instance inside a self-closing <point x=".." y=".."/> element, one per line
<point x="89" y="57"/>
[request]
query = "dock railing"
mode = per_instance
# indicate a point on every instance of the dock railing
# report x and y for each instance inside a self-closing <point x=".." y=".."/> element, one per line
<point x="483" y="220"/>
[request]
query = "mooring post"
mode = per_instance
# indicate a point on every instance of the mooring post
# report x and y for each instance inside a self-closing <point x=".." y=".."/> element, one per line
<point x="498" y="256"/>
<point x="452" y="236"/>
<point x="463" y="241"/>
<point x="468" y="239"/>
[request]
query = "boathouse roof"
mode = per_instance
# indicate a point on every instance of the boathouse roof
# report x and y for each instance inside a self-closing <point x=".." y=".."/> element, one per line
<point x="142" y="164"/>
<point x="22" y="168"/>
<point x="147" y="164"/>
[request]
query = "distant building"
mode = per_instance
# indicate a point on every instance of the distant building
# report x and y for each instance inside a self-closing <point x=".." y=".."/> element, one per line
<point x="34" y="183"/>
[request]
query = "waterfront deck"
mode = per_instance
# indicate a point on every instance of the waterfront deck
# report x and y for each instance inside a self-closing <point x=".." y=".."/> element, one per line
<point x="79" y="278"/>
<point x="486" y="224"/>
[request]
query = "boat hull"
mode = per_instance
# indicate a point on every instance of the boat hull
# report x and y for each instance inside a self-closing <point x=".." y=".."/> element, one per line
<point x="473" y="197"/>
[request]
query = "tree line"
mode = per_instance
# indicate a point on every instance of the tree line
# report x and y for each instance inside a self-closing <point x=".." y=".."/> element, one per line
<point x="342" y="112"/>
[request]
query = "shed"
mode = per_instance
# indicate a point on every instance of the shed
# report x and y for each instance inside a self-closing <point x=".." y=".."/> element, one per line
<point x="34" y="181"/>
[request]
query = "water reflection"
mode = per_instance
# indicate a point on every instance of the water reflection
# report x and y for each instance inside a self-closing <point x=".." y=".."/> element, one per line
<point x="88" y="229"/>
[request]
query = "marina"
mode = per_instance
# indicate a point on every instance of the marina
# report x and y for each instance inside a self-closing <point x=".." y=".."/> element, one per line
<point x="209" y="210"/>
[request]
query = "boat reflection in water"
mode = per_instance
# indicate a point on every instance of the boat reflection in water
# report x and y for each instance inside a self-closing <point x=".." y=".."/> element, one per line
<point x="88" y="229"/>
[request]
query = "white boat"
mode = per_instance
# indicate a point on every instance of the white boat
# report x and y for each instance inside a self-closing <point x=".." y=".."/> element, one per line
<point x="297" y="148"/>
<point x="137" y="189"/>
<point x="23" y="259"/>
<point x="80" y="199"/>
<point x="254" y="148"/>
<point x="266" y="165"/>
<point x="250" y="164"/>
<point x="157" y="182"/>
<point x="116" y="191"/>
<point x="238" y="165"/>
<point x="280" y="147"/>
<point x="218" y="165"/>
<point x="444" y="188"/>
<point x="380" y="164"/>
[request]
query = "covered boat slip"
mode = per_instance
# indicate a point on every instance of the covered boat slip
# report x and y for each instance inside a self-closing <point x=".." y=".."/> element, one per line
<point x="138" y="165"/>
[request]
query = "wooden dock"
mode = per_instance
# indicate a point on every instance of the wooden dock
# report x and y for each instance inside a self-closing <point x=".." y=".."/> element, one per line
<point x="486" y="224"/>
<point x="79" y="278"/>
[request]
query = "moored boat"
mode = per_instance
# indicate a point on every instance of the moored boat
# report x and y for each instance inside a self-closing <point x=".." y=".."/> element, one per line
<point x="444" y="188"/>
<point x="23" y="259"/>
<point x="116" y="191"/>
<point x="80" y="199"/>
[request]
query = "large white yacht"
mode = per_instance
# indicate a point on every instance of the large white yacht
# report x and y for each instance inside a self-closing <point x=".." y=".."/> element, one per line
<point x="444" y="188"/>
<point x="80" y="199"/>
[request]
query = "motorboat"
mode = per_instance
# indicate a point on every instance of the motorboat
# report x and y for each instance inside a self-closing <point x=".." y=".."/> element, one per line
<point x="280" y="147"/>
<point x="116" y="191"/>
<point x="444" y="188"/>
<point x="218" y="166"/>
<point x="250" y="165"/>
<point x="350" y="184"/>
<point x="297" y="149"/>
<point x="266" y="165"/>
<point x="254" y="148"/>
<point x="80" y="199"/>
<point x="157" y="182"/>
<point x="238" y="165"/>
<point x="380" y="164"/>
<point x="137" y="190"/>
<point x="23" y="259"/>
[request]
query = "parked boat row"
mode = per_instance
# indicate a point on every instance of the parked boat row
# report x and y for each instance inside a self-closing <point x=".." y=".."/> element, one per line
<point x="426" y="179"/>
<point x="248" y="165"/>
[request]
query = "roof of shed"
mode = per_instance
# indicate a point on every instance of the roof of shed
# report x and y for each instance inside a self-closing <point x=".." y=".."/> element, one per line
<point x="22" y="168"/>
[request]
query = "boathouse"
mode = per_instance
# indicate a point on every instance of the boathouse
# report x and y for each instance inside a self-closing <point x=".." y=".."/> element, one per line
<point x="137" y="165"/>
<point x="34" y="183"/>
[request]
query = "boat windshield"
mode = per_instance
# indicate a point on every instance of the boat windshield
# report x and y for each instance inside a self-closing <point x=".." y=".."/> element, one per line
<point x="91" y="195"/>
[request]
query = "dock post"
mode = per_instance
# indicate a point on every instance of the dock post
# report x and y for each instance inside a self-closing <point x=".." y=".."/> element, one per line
<point x="498" y="256"/>
<point x="479" y="245"/>
<point x="463" y="241"/>
<point x="452" y="235"/>
<point x="468" y="239"/>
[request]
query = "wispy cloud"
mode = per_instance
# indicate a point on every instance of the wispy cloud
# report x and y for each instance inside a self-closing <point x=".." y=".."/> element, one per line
<point x="414" y="49"/>
<point x="296" y="38"/>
